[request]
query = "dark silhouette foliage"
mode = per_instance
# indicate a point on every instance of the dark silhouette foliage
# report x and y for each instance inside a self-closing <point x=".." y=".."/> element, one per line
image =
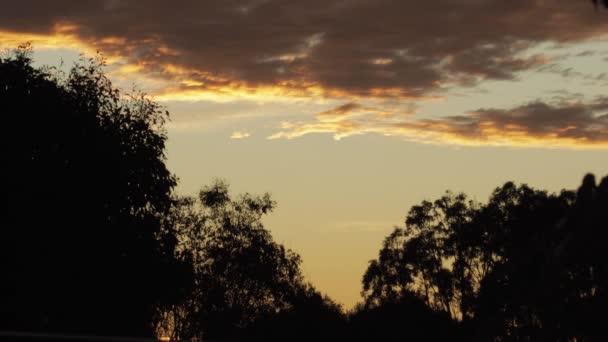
<point x="95" y="243"/>
<point x="527" y="265"/>
<point x="309" y="317"/>
<point x="85" y="186"/>
<point x="246" y="286"/>
<point x="406" y="318"/>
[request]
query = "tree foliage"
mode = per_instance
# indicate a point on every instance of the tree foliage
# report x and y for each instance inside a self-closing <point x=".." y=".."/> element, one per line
<point x="243" y="280"/>
<point x="405" y="319"/>
<point x="85" y="185"/>
<point x="95" y="242"/>
<point x="525" y="265"/>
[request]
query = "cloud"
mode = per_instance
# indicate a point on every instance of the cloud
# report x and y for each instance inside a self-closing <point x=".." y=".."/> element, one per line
<point x="365" y="51"/>
<point x="353" y="109"/>
<point x="562" y="124"/>
<point x="239" y="135"/>
<point x="329" y="48"/>
<point x="341" y="111"/>
<point x="571" y="73"/>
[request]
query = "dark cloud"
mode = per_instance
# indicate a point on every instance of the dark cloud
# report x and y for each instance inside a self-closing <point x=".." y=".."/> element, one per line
<point x="342" y="110"/>
<point x="577" y="124"/>
<point x="571" y="73"/>
<point x="586" y="53"/>
<point x="584" y="123"/>
<point x="354" y="47"/>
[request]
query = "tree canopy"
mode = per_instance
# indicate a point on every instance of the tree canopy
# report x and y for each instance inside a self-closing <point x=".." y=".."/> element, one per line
<point x="95" y="242"/>
<point x="86" y="185"/>
<point x="245" y="284"/>
<point x="525" y="265"/>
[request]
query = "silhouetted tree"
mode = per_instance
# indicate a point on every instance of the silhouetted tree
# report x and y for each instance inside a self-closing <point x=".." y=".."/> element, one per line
<point x="85" y="185"/>
<point x="309" y="317"/>
<point x="527" y="265"/>
<point x="244" y="282"/>
<point x="422" y="259"/>
<point x="402" y="318"/>
<point x="519" y="296"/>
<point x="582" y="258"/>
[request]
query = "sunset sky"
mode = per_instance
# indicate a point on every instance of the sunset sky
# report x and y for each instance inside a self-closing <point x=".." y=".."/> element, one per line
<point x="350" y="111"/>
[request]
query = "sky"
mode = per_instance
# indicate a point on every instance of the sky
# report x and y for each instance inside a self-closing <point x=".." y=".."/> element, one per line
<point x="350" y="111"/>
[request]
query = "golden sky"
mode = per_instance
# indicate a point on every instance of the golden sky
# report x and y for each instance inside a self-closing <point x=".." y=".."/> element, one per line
<point x="351" y="111"/>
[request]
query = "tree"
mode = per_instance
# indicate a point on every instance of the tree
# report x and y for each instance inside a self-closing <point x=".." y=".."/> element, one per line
<point x="422" y="259"/>
<point x="525" y="265"/>
<point x="583" y="258"/>
<point x="85" y="186"/>
<point x="519" y="296"/>
<point x="243" y="280"/>
<point x="310" y="317"/>
<point x="405" y="319"/>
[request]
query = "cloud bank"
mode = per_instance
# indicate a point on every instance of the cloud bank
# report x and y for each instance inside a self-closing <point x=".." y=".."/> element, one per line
<point x="562" y="124"/>
<point x="380" y="48"/>
<point x="339" y="49"/>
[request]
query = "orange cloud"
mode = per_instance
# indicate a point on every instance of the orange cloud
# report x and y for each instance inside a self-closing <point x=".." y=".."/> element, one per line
<point x="573" y="125"/>
<point x="60" y="35"/>
<point x="332" y="49"/>
<point x="325" y="48"/>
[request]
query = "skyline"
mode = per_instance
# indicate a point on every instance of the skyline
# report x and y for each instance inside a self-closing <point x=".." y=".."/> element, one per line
<point x="347" y="121"/>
